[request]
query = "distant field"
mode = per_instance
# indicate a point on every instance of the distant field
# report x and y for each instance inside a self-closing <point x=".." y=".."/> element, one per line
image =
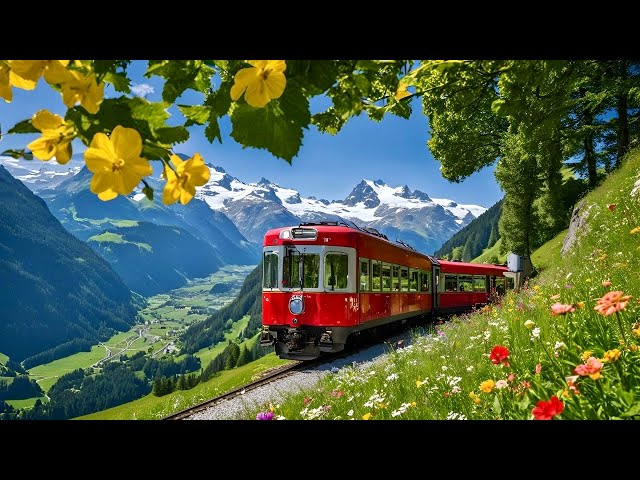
<point x="156" y="408"/>
<point x="48" y="373"/>
<point x="28" y="403"/>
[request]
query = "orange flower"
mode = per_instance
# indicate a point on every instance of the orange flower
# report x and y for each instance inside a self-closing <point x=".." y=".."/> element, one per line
<point x="612" y="302"/>
<point x="611" y="355"/>
<point x="591" y="368"/>
<point x="606" y="283"/>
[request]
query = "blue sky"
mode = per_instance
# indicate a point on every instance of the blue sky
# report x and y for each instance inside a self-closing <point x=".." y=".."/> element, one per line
<point x="393" y="150"/>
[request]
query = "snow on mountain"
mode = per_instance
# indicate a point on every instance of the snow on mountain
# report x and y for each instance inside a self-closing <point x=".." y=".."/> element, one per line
<point x="38" y="175"/>
<point x="396" y="210"/>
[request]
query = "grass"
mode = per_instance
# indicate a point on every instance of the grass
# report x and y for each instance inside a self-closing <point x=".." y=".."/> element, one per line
<point x="28" y="403"/>
<point x="154" y="408"/>
<point x="47" y="374"/>
<point x="110" y="237"/>
<point x="522" y="358"/>
<point x="3" y="358"/>
<point x="489" y="253"/>
<point x="207" y="354"/>
<point x="548" y="255"/>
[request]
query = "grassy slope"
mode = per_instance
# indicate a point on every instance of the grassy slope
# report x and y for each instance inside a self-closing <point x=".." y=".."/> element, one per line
<point x="154" y="408"/>
<point x="3" y="358"/>
<point x="449" y="375"/>
<point x="494" y="251"/>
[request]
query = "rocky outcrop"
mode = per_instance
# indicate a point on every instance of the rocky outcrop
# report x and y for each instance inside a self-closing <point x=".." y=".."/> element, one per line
<point x="577" y="226"/>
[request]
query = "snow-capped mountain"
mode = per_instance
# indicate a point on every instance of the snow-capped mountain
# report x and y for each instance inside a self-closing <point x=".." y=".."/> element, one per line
<point x="398" y="212"/>
<point x="38" y="175"/>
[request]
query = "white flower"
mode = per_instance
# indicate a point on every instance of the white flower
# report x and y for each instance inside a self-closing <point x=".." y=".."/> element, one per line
<point x="535" y="333"/>
<point x="501" y="384"/>
<point x="393" y="376"/>
<point x="560" y="346"/>
<point x="456" y="416"/>
<point x="470" y="368"/>
<point x="350" y="413"/>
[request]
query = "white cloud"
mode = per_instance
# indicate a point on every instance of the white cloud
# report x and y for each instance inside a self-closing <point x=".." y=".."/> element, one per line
<point x="142" y="89"/>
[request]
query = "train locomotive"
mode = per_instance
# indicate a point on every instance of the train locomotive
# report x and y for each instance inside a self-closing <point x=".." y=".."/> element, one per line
<point x="326" y="281"/>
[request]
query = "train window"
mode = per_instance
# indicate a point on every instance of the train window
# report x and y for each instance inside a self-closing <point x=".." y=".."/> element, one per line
<point x="424" y="281"/>
<point x="479" y="283"/>
<point x="404" y="279"/>
<point x="500" y="285"/>
<point x="365" y="281"/>
<point x="395" y="278"/>
<point x="465" y="283"/>
<point x="310" y="266"/>
<point x="376" y="270"/>
<point x="386" y="277"/>
<point x="450" y="283"/>
<point x="413" y="280"/>
<point x="270" y="270"/>
<point x="336" y="269"/>
<point x="510" y="283"/>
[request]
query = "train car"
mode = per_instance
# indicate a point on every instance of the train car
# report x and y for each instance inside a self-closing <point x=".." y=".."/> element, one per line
<point x="323" y="282"/>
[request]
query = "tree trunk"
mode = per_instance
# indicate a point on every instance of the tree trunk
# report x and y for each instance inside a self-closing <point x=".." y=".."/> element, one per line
<point x="588" y="143"/>
<point x="623" y="120"/>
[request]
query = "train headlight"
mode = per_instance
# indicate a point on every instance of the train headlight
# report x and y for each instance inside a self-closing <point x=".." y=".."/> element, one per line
<point x="296" y="304"/>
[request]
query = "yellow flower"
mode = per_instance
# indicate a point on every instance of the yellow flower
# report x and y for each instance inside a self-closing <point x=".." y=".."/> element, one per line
<point x="116" y="163"/>
<point x="635" y="230"/>
<point x="56" y="137"/>
<point x="260" y="83"/>
<point x="413" y="404"/>
<point x="586" y="354"/>
<point x="529" y="324"/>
<point x="26" y="73"/>
<point x="419" y="383"/>
<point x="84" y="89"/>
<point x="636" y="332"/>
<point x="402" y="92"/>
<point x="5" y="83"/>
<point x="487" y="386"/>
<point x="190" y="173"/>
<point x="366" y="416"/>
<point x="595" y="376"/>
<point x="611" y="355"/>
<point x="475" y="398"/>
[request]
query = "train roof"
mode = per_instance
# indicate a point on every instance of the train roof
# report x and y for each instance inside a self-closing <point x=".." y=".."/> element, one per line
<point x="447" y="266"/>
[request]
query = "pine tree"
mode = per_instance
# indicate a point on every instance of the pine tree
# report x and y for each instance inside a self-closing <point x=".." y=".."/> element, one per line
<point x="243" y="358"/>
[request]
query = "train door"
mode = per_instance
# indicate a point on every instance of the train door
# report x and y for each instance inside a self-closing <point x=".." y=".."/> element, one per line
<point x="436" y="289"/>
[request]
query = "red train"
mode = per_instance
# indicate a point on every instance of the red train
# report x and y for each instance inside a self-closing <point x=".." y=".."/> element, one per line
<point x="323" y="282"/>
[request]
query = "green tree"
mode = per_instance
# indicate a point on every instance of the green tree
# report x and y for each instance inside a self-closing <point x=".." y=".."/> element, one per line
<point x="244" y="357"/>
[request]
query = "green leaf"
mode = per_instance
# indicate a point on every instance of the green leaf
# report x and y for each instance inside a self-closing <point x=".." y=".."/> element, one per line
<point x="171" y="135"/>
<point x="155" y="152"/>
<point x="213" y="130"/>
<point x="496" y="405"/>
<point x="633" y="411"/>
<point x="148" y="192"/>
<point x="180" y="75"/>
<point x="119" y="80"/>
<point x="195" y="114"/>
<point x="362" y="84"/>
<point x="24" y="126"/>
<point x="277" y="127"/>
<point x="18" y="154"/>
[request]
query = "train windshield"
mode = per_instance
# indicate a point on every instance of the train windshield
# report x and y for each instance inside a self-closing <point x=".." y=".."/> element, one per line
<point x="300" y="267"/>
<point x="270" y="270"/>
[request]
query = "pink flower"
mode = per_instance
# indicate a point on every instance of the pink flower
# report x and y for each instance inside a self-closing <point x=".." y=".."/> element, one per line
<point x="612" y="302"/>
<point x="606" y="283"/>
<point x="591" y="367"/>
<point x="538" y="368"/>
<point x="337" y="393"/>
<point x="561" y="309"/>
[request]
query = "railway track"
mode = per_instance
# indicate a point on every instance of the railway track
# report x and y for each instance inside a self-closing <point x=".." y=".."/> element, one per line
<point x="275" y="374"/>
<point x="269" y="377"/>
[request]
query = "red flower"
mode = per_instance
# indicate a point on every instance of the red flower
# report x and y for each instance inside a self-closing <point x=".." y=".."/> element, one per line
<point x="612" y="207"/>
<point x="499" y="355"/>
<point x="547" y="410"/>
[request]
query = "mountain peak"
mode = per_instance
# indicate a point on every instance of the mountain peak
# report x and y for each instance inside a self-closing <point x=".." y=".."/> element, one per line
<point x="362" y="193"/>
<point x="264" y="182"/>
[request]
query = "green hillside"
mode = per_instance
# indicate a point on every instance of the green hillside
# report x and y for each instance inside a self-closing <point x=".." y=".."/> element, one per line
<point x="543" y="352"/>
<point x="58" y="296"/>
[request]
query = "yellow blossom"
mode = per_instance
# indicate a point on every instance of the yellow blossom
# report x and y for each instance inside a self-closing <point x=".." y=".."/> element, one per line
<point x="580" y="305"/>
<point x="413" y="404"/>
<point x="56" y="137"/>
<point x="635" y="230"/>
<point x="487" y="386"/>
<point x="181" y="184"/>
<point x="260" y="83"/>
<point x="586" y="354"/>
<point x="536" y="288"/>
<point x="5" y="83"/>
<point x="595" y="376"/>
<point x="84" y="89"/>
<point x="419" y="383"/>
<point x="26" y="73"/>
<point x="116" y="163"/>
<point x="366" y="416"/>
<point x="611" y="355"/>
<point x="636" y="332"/>
<point x="474" y="398"/>
<point x="530" y="324"/>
